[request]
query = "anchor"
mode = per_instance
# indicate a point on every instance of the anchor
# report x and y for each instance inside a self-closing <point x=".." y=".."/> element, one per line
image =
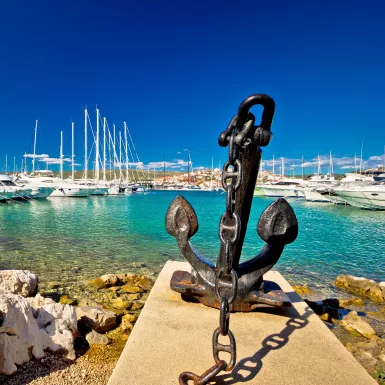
<point x="243" y="282"/>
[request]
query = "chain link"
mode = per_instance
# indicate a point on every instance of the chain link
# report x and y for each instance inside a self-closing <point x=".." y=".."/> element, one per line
<point x="226" y="279"/>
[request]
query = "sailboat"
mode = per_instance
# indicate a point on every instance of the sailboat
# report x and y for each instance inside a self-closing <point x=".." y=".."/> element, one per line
<point x="37" y="189"/>
<point x="64" y="188"/>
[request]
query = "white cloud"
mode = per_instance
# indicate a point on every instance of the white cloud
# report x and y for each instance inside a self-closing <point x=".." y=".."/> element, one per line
<point x="343" y="163"/>
<point x="37" y="156"/>
<point x="129" y="164"/>
<point x="54" y="160"/>
<point x="50" y="160"/>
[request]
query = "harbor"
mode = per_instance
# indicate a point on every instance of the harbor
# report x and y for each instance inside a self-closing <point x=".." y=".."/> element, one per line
<point x="192" y="193"/>
<point x="104" y="234"/>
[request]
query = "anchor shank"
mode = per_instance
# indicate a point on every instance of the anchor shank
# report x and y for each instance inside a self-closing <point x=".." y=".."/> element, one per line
<point x="250" y="157"/>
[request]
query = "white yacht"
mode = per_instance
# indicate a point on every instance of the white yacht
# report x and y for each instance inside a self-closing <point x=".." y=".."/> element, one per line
<point x="139" y="188"/>
<point x="350" y="180"/>
<point x="47" y="185"/>
<point x="40" y="190"/>
<point x="289" y="188"/>
<point x="72" y="190"/>
<point x="9" y="190"/>
<point x="370" y="196"/>
<point x="311" y="188"/>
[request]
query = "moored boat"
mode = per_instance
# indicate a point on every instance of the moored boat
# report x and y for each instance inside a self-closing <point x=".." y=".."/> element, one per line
<point x="72" y="190"/>
<point x="370" y="196"/>
<point x="10" y="191"/>
<point x="288" y="188"/>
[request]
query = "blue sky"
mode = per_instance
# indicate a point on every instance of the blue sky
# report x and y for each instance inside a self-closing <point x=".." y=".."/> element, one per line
<point x="176" y="72"/>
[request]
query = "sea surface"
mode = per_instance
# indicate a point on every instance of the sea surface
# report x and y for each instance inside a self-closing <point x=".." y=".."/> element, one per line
<point x="72" y="239"/>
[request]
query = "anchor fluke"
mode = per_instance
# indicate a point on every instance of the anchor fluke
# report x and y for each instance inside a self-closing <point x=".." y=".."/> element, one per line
<point x="278" y="223"/>
<point x="181" y="219"/>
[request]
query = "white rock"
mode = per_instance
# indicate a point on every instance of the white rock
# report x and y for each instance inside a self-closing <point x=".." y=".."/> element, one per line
<point x="21" y="282"/>
<point x="109" y="279"/>
<point x="96" y="318"/>
<point x="26" y="331"/>
<point x="39" y="301"/>
<point x="95" y="338"/>
<point x="60" y="323"/>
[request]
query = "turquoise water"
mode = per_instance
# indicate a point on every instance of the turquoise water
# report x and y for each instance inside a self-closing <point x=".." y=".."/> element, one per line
<point x="67" y="240"/>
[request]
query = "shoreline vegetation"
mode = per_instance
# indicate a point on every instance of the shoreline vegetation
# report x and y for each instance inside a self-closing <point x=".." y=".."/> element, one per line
<point x="106" y="308"/>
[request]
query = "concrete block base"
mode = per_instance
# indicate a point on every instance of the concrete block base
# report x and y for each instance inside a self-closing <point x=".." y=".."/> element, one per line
<point x="274" y="346"/>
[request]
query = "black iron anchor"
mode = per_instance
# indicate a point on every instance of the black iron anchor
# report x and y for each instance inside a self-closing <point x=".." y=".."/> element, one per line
<point x="277" y="226"/>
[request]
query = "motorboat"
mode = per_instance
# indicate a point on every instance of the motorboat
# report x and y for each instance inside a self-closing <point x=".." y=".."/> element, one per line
<point x="114" y="190"/>
<point x="72" y="190"/>
<point x="48" y="185"/>
<point x="369" y="196"/>
<point x="288" y="188"/>
<point x="139" y="188"/>
<point x="10" y="191"/>
<point x="310" y="187"/>
<point x="327" y="192"/>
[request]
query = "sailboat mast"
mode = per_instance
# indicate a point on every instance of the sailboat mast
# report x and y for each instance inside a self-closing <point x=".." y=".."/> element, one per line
<point x="126" y="148"/>
<point x="120" y="155"/>
<point x="164" y="171"/>
<point x="61" y="154"/>
<point x="331" y="164"/>
<point x="188" y="167"/>
<point x="212" y="172"/>
<point x="319" y="166"/>
<point x="114" y="151"/>
<point x="6" y="163"/>
<point x="73" y="151"/>
<point x="283" y="168"/>
<point x="34" y="149"/>
<point x="383" y="166"/>
<point x="302" y="168"/>
<point x="104" y="150"/>
<point x="362" y="146"/>
<point x="14" y="165"/>
<point x="97" y="147"/>
<point x="85" y="146"/>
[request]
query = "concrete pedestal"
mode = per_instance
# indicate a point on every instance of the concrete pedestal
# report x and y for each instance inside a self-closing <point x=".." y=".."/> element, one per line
<point x="286" y="347"/>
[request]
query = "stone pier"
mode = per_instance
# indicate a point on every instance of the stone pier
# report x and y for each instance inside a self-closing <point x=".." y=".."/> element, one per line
<point x="274" y="346"/>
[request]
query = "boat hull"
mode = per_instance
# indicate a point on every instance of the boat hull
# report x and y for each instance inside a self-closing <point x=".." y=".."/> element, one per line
<point x="41" y="192"/>
<point x="72" y="192"/>
<point x="365" y="199"/>
<point x="312" y="195"/>
<point x="5" y="195"/>
<point x="100" y="191"/>
<point x="282" y="192"/>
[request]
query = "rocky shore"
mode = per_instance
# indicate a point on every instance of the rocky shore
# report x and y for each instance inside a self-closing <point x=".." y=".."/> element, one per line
<point x="357" y="319"/>
<point x="53" y="336"/>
